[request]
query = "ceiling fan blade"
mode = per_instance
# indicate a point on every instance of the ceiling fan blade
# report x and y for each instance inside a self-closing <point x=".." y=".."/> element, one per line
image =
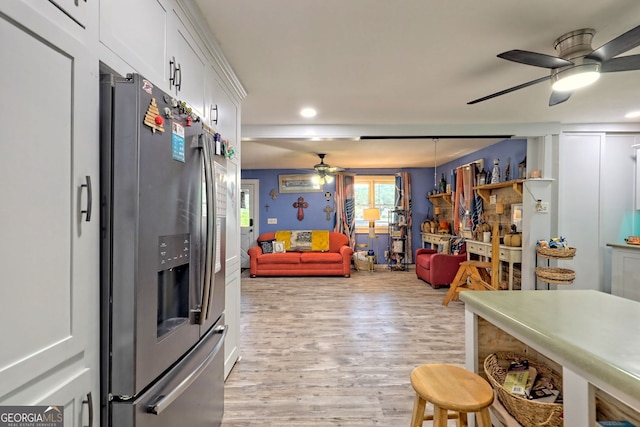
<point x="535" y="59"/>
<point x="615" y="47"/>
<point x="624" y="63"/>
<point x="511" y="89"/>
<point x="558" y="97"/>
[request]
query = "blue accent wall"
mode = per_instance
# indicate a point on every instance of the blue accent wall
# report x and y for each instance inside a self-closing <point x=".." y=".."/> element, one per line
<point x="421" y="183"/>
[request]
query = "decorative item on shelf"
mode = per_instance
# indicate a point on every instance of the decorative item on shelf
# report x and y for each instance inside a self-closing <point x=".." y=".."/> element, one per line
<point x="513" y="238"/>
<point x="500" y="212"/>
<point x="481" y="178"/>
<point x="436" y="212"/>
<point x="495" y="173"/>
<point x="522" y="168"/>
<point x="371" y="215"/>
<point x="507" y="170"/>
<point x="484" y="232"/>
<point x="535" y="174"/>
<point x="443" y="184"/>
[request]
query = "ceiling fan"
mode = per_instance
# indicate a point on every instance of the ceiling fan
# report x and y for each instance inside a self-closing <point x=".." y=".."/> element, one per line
<point x="324" y="171"/>
<point x="577" y="64"/>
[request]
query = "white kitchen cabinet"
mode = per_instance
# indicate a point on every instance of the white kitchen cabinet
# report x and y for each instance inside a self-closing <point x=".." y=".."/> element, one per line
<point x="137" y="31"/>
<point x="625" y="271"/>
<point x="74" y="9"/>
<point x="595" y="197"/>
<point x="186" y="66"/>
<point x="50" y="252"/>
<point x="228" y="119"/>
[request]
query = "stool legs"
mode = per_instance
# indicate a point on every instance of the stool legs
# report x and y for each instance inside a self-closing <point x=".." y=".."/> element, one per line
<point x="440" y="416"/>
<point x="418" y="412"/>
<point x="484" y="418"/>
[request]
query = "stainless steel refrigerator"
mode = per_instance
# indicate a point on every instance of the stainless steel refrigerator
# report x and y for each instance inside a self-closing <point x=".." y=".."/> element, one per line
<point x="163" y="211"/>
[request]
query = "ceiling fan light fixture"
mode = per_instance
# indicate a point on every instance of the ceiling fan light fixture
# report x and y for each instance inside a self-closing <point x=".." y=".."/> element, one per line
<point x="575" y="77"/>
<point x="308" y="112"/>
<point x="322" y="179"/>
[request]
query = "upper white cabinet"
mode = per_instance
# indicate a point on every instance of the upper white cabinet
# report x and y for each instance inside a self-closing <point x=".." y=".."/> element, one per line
<point x="137" y="32"/>
<point x="74" y="9"/>
<point x="50" y="215"/>
<point x="186" y="67"/>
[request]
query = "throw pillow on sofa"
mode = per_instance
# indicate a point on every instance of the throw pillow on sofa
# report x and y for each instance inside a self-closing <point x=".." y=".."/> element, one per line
<point x="278" y="247"/>
<point x="267" y="246"/>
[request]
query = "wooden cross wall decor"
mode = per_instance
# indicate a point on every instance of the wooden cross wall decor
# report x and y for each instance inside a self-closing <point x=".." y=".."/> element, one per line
<point x="328" y="209"/>
<point x="300" y="205"/>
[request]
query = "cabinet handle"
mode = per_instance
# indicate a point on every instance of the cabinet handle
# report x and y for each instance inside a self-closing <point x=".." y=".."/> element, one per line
<point x="89" y="402"/>
<point x="89" y="198"/>
<point x="172" y="71"/>
<point x="179" y="72"/>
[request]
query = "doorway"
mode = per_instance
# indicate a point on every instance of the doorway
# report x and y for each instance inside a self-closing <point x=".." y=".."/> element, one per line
<point x="249" y="217"/>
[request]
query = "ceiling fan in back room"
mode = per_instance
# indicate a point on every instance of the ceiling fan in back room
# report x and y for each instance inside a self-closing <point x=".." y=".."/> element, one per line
<point x="577" y="64"/>
<point x="325" y="172"/>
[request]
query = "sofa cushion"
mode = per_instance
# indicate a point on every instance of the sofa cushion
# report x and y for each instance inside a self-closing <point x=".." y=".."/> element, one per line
<point x="320" y="258"/>
<point x="267" y="246"/>
<point x="282" y="258"/>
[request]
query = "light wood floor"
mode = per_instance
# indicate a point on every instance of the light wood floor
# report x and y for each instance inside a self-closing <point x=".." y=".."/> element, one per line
<point x="336" y="351"/>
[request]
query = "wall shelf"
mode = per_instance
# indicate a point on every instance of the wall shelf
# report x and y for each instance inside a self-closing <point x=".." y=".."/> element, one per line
<point x="442" y="196"/>
<point x="485" y="190"/>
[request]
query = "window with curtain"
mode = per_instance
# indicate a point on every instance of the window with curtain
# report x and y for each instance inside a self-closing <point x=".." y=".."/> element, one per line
<point x="374" y="191"/>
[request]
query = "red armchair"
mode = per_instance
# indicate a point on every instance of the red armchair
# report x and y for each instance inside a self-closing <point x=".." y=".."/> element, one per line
<point x="438" y="269"/>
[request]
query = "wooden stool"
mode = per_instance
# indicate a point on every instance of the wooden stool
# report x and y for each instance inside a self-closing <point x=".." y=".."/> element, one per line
<point x="450" y="388"/>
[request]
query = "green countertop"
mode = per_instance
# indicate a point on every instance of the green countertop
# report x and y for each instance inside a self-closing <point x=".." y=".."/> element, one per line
<point x="623" y="246"/>
<point x="589" y="332"/>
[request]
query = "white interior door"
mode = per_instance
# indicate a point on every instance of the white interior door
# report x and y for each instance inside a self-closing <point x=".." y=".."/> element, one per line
<point x="249" y="220"/>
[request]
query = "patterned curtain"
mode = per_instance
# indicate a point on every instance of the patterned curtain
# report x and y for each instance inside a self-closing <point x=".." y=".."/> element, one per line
<point x="345" y="198"/>
<point x="476" y="205"/>
<point x="466" y="200"/>
<point x="403" y="201"/>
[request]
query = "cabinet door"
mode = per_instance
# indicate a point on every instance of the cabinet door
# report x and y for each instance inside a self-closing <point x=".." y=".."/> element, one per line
<point x="227" y="125"/>
<point x="50" y="273"/>
<point x="137" y="32"/>
<point x="189" y="59"/>
<point x="74" y="9"/>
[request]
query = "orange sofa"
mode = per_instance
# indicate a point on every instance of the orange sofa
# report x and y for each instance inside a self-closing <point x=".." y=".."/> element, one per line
<point x="336" y="261"/>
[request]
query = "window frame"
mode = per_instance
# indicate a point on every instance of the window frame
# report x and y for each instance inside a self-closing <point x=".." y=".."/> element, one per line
<point x="382" y="225"/>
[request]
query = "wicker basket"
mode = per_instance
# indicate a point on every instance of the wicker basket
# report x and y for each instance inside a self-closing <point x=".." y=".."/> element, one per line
<point x="361" y="262"/>
<point x="555" y="253"/>
<point x="560" y="276"/>
<point x="529" y="413"/>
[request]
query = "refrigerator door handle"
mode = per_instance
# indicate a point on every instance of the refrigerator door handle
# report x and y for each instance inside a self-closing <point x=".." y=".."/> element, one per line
<point x="209" y="240"/>
<point x="162" y="402"/>
<point x="89" y="402"/>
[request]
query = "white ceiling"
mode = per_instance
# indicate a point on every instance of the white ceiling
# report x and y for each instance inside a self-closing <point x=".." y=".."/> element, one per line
<point x="404" y="67"/>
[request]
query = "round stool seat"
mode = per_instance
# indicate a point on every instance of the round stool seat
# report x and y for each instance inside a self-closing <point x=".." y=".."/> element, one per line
<point x="450" y="388"/>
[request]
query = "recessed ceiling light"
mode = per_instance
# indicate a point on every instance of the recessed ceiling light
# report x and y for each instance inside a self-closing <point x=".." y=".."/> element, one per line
<point x="308" y="112"/>
<point x="632" y="114"/>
